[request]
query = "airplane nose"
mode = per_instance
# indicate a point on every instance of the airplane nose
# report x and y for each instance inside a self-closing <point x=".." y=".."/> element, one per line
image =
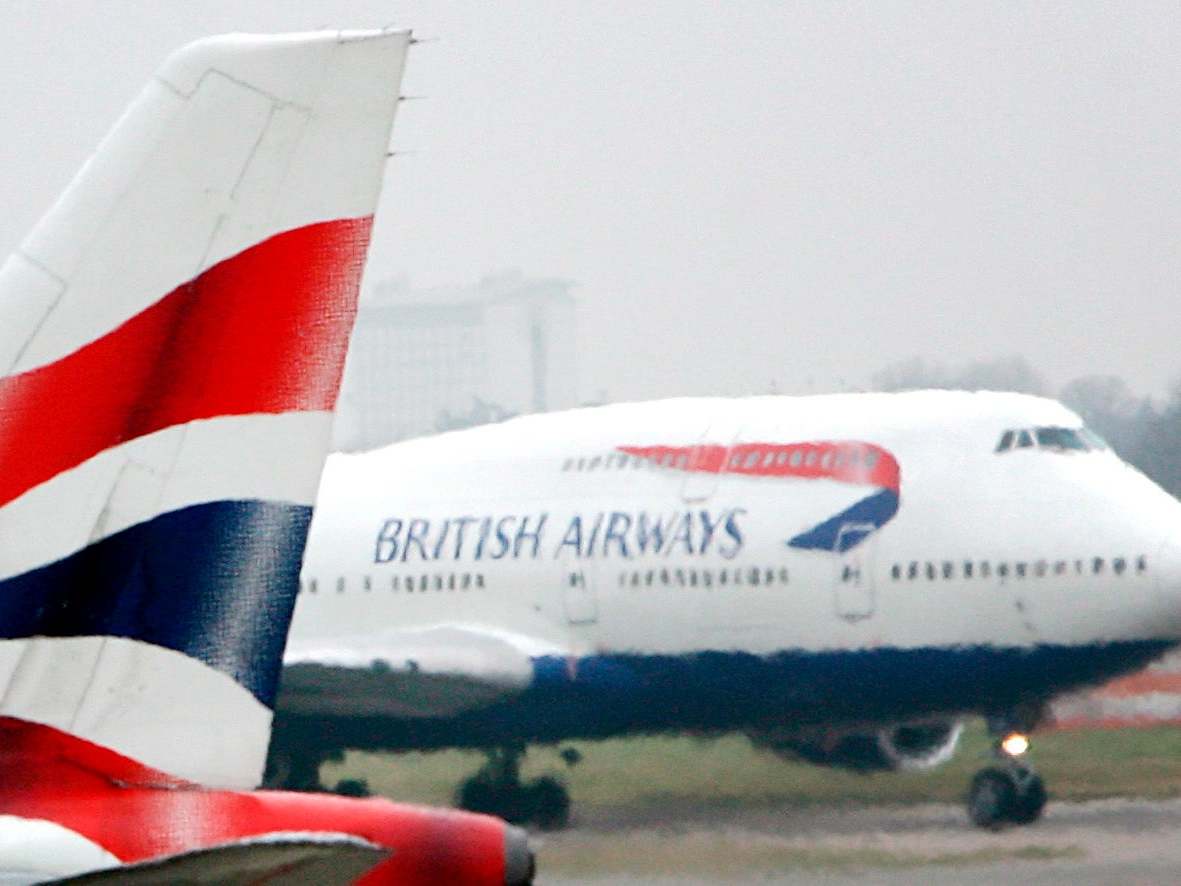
<point x="520" y="866"/>
<point x="1168" y="584"/>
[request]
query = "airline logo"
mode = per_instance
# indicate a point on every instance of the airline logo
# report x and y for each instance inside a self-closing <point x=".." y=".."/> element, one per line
<point x="262" y="333"/>
<point x="843" y="461"/>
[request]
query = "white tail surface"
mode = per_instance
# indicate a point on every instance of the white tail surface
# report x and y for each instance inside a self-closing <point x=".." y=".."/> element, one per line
<point x="171" y="341"/>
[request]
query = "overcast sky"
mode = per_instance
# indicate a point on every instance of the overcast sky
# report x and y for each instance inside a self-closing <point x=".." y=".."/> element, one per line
<point x="745" y="193"/>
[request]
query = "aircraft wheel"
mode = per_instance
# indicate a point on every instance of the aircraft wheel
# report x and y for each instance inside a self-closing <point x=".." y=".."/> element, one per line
<point x="551" y="804"/>
<point x="992" y="798"/>
<point x="1029" y="801"/>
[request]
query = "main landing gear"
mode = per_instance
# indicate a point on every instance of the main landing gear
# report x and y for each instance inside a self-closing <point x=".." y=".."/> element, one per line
<point x="497" y="790"/>
<point x="1008" y="792"/>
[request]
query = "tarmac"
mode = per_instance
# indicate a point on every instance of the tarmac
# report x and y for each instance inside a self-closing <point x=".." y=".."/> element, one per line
<point x="1129" y="842"/>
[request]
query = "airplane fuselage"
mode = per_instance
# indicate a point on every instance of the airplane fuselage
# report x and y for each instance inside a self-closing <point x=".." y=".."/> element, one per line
<point x="726" y="564"/>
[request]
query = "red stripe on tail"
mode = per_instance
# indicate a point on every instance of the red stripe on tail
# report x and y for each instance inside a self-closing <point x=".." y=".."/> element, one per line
<point x="265" y="331"/>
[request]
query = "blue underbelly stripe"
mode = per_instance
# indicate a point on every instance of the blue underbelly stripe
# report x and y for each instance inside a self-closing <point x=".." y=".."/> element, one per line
<point x="216" y="582"/>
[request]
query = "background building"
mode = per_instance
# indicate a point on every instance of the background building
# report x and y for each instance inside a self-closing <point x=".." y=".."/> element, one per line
<point x="428" y="360"/>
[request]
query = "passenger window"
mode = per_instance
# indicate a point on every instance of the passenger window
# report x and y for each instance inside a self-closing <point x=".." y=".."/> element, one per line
<point x="1141" y="564"/>
<point x="1021" y="570"/>
<point x="931" y="573"/>
<point x="967" y="569"/>
<point x="948" y="569"/>
<point x="1060" y="567"/>
<point x="1119" y="564"/>
<point x="648" y="578"/>
<point x="783" y="574"/>
<point x="367" y="583"/>
<point x="394" y="583"/>
<point x="340" y="585"/>
<point x="723" y="577"/>
<point x="1024" y="440"/>
<point x="753" y="577"/>
<point x="479" y="579"/>
<point x="1040" y="568"/>
<point x="768" y="576"/>
<point x="1006" y="442"/>
<point x="985" y="569"/>
<point x="466" y="582"/>
<point x="680" y="574"/>
<point x="781" y="458"/>
<point x="1002" y="570"/>
<point x="896" y="571"/>
<point x="664" y="577"/>
<point x="1097" y="565"/>
<point x="768" y="459"/>
<point x="796" y="458"/>
<point x="912" y="571"/>
<point x="751" y="460"/>
<point x="871" y="460"/>
<point x="735" y="459"/>
<point x="707" y="578"/>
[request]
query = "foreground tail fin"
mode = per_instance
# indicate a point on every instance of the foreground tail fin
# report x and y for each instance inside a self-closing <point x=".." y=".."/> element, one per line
<point x="171" y="341"/>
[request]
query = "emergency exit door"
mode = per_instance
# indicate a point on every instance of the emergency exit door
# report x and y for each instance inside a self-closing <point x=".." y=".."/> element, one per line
<point x="854" y="591"/>
<point x="578" y="597"/>
<point x="710" y="457"/>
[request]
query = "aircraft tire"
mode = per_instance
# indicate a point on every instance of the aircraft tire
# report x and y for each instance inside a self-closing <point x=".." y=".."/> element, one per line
<point x="992" y="798"/>
<point x="1029" y="801"/>
<point x="551" y="804"/>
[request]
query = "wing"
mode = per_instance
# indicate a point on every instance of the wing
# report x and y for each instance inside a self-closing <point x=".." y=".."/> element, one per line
<point x="433" y="671"/>
<point x="283" y="860"/>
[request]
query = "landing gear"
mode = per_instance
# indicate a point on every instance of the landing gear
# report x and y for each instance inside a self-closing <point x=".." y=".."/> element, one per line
<point x="497" y="790"/>
<point x="1009" y="792"/>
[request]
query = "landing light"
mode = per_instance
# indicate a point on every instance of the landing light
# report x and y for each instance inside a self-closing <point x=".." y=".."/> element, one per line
<point x="1015" y="744"/>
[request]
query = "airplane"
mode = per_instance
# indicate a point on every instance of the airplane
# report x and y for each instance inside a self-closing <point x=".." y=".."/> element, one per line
<point x="844" y="578"/>
<point x="172" y="335"/>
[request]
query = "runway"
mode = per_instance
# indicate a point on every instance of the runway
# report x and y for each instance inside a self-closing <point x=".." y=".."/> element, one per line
<point x="1130" y="842"/>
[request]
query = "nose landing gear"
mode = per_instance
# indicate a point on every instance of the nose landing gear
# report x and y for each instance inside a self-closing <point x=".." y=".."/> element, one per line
<point x="1008" y="792"/>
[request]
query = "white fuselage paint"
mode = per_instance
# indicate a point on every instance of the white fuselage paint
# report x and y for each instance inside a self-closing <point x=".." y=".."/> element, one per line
<point x="1054" y="512"/>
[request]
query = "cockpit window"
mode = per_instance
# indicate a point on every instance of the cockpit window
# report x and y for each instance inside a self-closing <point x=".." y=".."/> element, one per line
<point x="1053" y="438"/>
<point x="1060" y="438"/>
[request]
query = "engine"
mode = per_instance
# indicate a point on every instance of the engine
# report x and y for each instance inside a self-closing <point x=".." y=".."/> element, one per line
<point x="906" y="746"/>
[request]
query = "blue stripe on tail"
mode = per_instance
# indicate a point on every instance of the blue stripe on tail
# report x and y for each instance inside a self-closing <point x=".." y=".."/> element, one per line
<point x="216" y="582"/>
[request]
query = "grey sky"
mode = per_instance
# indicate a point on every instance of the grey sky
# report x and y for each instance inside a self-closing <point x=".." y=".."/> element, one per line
<point x="746" y="192"/>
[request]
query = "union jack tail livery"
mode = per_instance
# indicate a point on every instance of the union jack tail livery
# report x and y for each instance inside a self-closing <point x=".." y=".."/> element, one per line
<point x="172" y="336"/>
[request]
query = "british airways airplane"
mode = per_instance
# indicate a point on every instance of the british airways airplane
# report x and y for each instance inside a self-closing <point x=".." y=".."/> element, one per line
<point x="843" y="578"/>
<point x="172" y="336"/>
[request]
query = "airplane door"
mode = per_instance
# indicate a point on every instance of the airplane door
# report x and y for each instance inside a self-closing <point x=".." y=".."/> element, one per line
<point x="578" y="597"/>
<point x="708" y="459"/>
<point x="854" y="580"/>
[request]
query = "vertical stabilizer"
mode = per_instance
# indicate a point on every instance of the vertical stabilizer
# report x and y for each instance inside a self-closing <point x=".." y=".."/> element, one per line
<point x="171" y="342"/>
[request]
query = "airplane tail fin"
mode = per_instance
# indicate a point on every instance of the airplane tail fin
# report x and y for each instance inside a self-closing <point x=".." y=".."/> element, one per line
<point x="172" y="336"/>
